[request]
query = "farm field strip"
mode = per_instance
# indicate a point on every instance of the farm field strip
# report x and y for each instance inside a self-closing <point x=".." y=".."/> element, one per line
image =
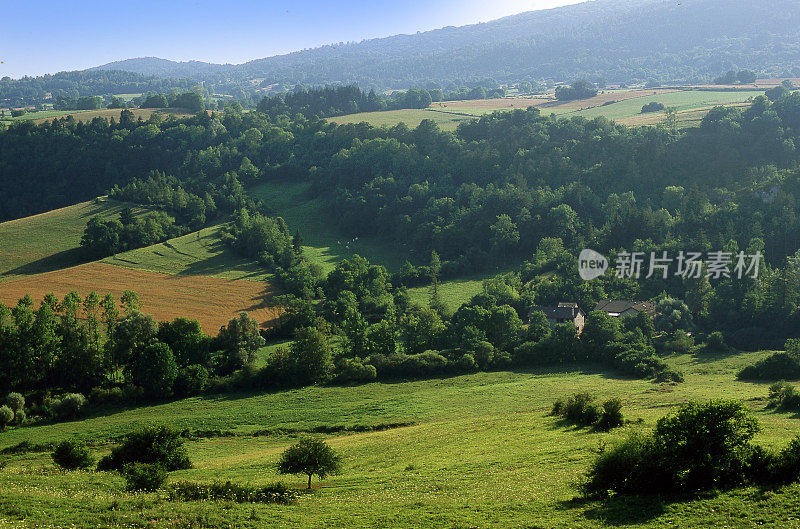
<point x="211" y="301"/>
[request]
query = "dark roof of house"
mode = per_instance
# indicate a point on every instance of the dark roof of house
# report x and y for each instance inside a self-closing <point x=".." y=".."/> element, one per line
<point x="618" y="306"/>
<point x="564" y="311"/>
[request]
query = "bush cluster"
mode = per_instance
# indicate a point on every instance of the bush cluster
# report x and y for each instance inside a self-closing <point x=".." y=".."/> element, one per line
<point x="72" y="455"/>
<point x="154" y="445"/>
<point x="188" y="491"/>
<point x="779" y="366"/>
<point x="144" y="477"/>
<point x="582" y="409"/>
<point x="784" y="397"/>
<point x="700" y="447"/>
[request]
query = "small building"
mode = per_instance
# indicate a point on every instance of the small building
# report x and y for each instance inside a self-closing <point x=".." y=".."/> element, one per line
<point x="620" y="308"/>
<point x="565" y="312"/>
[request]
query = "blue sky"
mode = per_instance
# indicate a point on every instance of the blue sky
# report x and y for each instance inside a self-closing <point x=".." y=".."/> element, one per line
<point x="49" y="36"/>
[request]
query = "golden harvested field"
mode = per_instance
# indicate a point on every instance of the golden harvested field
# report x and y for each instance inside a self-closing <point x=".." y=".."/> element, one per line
<point x="210" y="300"/>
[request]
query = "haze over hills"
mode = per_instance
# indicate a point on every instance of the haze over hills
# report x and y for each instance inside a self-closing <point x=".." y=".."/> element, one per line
<point x="618" y="40"/>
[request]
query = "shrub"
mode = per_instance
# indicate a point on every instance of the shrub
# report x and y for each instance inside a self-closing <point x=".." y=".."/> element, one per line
<point x="779" y="366"/>
<point x="783" y="396"/>
<point x="68" y="407"/>
<point x="187" y="491"/>
<point x="581" y="409"/>
<point x="700" y="447"/>
<point x="20" y="417"/>
<point x="681" y="342"/>
<point x="716" y="342"/>
<point x="16" y="402"/>
<point x="144" y="477"/>
<point x="191" y="380"/>
<point x="106" y="396"/>
<point x="349" y="371"/>
<point x="630" y="467"/>
<point x="654" y="106"/>
<point x="611" y="416"/>
<point x="466" y="364"/>
<point x="6" y="416"/>
<point x="72" y="455"/>
<point x="785" y="468"/>
<point x="154" y="445"/>
<point x="668" y="375"/>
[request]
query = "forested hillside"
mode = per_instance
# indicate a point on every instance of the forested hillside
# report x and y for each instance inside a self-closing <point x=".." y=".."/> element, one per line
<point x="486" y="196"/>
<point x="616" y="40"/>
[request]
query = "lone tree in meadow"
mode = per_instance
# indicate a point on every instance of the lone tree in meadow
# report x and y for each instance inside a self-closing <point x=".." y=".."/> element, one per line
<point x="309" y="457"/>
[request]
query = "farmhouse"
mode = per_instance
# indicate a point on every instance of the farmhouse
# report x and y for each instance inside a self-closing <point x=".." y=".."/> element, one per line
<point x="565" y="312"/>
<point x="619" y="308"/>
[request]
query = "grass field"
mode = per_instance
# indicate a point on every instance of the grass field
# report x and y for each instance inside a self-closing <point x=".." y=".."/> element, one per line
<point x="411" y="117"/>
<point x="200" y="253"/>
<point x="211" y="301"/>
<point x="623" y="106"/>
<point x="49" y="241"/>
<point x="452" y="292"/>
<point x="481" y="452"/>
<point x="324" y="244"/>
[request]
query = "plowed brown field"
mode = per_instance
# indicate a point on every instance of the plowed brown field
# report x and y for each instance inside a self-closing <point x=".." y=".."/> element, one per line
<point x="210" y="300"/>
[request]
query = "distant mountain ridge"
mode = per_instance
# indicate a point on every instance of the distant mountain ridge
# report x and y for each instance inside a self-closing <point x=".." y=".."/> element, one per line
<point x="619" y="40"/>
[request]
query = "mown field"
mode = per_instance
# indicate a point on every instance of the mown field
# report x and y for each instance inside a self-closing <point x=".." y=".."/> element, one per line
<point x="201" y="253"/>
<point x="210" y="300"/>
<point x="623" y="106"/>
<point x="481" y="451"/>
<point x="411" y="117"/>
<point x="49" y="241"/>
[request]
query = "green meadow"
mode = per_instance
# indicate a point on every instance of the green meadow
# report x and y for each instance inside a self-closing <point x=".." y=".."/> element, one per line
<point x="476" y="451"/>
<point x="627" y="110"/>
<point x="324" y="244"/>
<point x="199" y="253"/>
<point x="49" y="241"/>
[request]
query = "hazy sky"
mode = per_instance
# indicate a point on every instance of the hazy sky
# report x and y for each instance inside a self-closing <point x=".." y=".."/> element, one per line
<point x="49" y="36"/>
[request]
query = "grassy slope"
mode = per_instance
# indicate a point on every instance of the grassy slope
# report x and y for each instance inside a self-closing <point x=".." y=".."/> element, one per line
<point x="483" y="453"/>
<point x="49" y="241"/>
<point x="199" y="253"/>
<point x="324" y="243"/>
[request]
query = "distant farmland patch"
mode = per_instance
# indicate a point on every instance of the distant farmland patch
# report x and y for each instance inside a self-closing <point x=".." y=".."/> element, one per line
<point x="46" y="116"/>
<point x="210" y="300"/>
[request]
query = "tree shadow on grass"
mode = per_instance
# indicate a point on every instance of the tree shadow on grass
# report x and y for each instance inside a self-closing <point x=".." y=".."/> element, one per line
<point x="57" y="261"/>
<point x="618" y="510"/>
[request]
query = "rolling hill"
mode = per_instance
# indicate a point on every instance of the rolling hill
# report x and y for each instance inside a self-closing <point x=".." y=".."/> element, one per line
<point x="618" y="40"/>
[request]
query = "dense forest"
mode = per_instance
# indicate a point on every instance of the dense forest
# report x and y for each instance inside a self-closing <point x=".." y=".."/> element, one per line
<point x="494" y="193"/>
<point x="73" y="85"/>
